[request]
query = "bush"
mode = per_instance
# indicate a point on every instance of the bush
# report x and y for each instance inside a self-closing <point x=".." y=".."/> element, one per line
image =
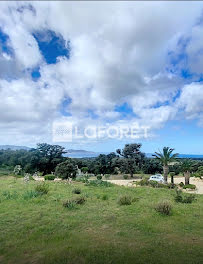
<point x="30" y="194"/>
<point x="99" y="183"/>
<point x="181" y="197"/>
<point x="188" y="198"/>
<point x="154" y="184"/>
<point x="181" y="184"/>
<point x="164" y="208"/>
<point x="99" y="177"/>
<point x="125" y="200"/>
<point x="71" y="204"/>
<point x="171" y="185"/>
<point x="49" y="177"/>
<point x="80" y="200"/>
<point x="42" y="188"/>
<point x="125" y="177"/>
<point x="105" y="197"/>
<point x="143" y="182"/>
<point x="83" y="179"/>
<point x="66" y="169"/>
<point x="107" y="176"/>
<point x="189" y="186"/>
<point x="77" y="190"/>
<point x="178" y="196"/>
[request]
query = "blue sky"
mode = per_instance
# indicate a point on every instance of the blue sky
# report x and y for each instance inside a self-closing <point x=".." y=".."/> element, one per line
<point x="91" y="70"/>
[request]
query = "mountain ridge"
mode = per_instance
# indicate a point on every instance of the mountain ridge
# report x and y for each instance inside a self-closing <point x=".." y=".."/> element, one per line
<point x="80" y="153"/>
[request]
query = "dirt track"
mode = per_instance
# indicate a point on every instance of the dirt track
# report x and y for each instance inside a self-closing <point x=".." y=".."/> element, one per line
<point x="196" y="181"/>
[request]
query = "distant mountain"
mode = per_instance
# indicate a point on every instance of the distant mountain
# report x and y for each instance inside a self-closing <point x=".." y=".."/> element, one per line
<point x="80" y="153"/>
<point x="13" y="147"/>
<point x="73" y="153"/>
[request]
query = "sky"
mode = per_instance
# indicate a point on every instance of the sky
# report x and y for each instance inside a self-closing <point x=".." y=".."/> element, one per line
<point x="102" y="64"/>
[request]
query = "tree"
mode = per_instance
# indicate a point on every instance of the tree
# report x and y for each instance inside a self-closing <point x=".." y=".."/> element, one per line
<point x="187" y="168"/>
<point x="200" y="172"/>
<point x="172" y="174"/>
<point x="50" y="156"/>
<point x="133" y="157"/>
<point x="166" y="157"/>
<point x="66" y="169"/>
<point x="152" y="166"/>
<point x="84" y="169"/>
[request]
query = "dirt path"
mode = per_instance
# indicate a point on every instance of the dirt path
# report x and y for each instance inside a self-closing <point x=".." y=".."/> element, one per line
<point x="196" y="181"/>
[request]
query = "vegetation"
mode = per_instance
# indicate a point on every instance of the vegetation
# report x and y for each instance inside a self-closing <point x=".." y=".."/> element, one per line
<point x="125" y="200"/>
<point x="132" y="157"/>
<point x="187" y="168"/>
<point x="164" y="208"/>
<point x="47" y="159"/>
<point x="39" y="229"/>
<point x="181" y="197"/>
<point x="49" y="177"/>
<point x="42" y="188"/>
<point x="166" y="157"/>
<point x="189" y="186"/>
<point x="66" y="169"/>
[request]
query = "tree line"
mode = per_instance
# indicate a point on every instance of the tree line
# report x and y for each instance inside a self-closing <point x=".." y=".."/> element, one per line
<point x="47" y="159"/>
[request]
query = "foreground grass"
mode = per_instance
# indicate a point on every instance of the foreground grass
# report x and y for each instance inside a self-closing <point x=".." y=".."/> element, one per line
<point x="40" y="230"/>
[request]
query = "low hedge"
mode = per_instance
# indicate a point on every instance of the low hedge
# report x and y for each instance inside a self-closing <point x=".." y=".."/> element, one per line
<point x="49" y="177"/>
<point x="189" y="186"/>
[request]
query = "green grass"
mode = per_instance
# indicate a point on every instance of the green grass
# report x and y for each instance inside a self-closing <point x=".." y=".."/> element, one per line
<point x="41" y="230"/>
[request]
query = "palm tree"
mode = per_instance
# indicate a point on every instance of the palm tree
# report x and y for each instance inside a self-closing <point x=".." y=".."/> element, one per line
<point x="166" y="157"/>
<point x="187" y="167"/>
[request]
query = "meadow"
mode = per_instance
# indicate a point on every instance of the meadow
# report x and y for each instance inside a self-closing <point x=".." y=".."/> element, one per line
<point x="41" y="230"/>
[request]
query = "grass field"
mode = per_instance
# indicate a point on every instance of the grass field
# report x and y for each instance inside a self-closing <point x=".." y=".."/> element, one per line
<point x="40" y="230"/>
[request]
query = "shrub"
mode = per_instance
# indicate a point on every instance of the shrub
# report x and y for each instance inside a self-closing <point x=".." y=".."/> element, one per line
<point x="188" y="198"/>
<point x="125" y="176"/>
<point x="70" y="204"/>
<point x="178" y="196"/>
<point x="49" y="177"/>
<point x="99" y="177"/>
<point x="66" y="169"/>
<point x="184" y="198"/>
<point x="107" y="176"/>
<point x="80" y="200"/>
<point x="154" y="184"/>
<point x="83" y="179"/>
<point x="181" y="184"/>
<point x="105" y="197"/>
<point x="42" y="188"/>
<point x="171" y="185"/>
<point x="125" y="200"/>
<point x="189" y="186"/>
<point x="77" y="190"/>
<point x="99" y="183"/>
<point x="30" y="194"/>
<point x="164" y="208"/>
<point x="143" y="182"/>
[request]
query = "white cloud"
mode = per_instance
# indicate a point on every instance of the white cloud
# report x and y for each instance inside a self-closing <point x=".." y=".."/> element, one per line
<point x="190" y="101"/>
<point x="119" y="53"/>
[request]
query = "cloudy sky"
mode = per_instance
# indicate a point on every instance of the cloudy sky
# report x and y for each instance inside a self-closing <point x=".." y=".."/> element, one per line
<point x="102" y="63"/>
